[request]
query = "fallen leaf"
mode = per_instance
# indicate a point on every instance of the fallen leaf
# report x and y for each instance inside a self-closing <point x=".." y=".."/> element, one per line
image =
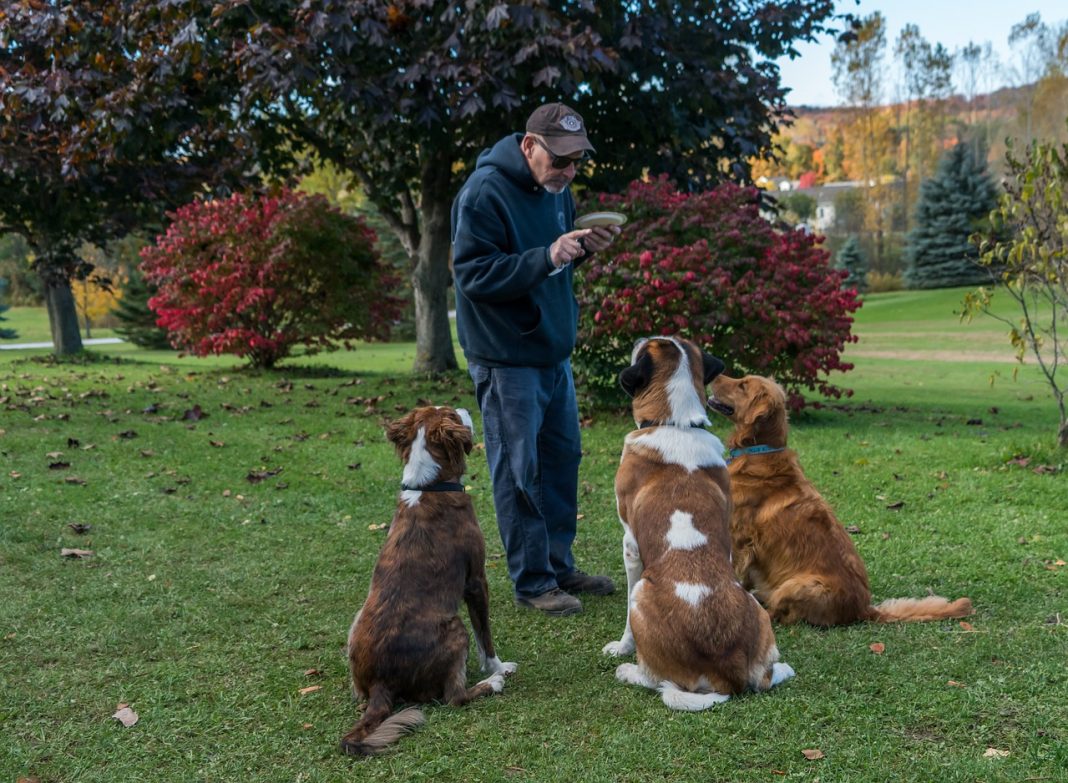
<point x="75" y="553"/>
<point x="194" y="414"/>
<point x="354" y="466"/>
<point x="127" y="434"/>
<point x="312" y="672"/>
<point x="58" y="465"/>
<point x="54" y="454"/>
<point x="812" y="754"/>
<point x="877" y="647"/>
<point x="256" y="476"/>
<point x="897" y="505"/>
<point x="376" y="527"/>
<point x="853" y="529"/>
<point x="80" y="527"/>
<point x="966" y="626"/>
<point x="311" y="689"/>
<point x="995" y="753"/>
<point x="955" y="684"/>
<point x="74" y="480"/>
<point x="126" y="716"/>
<point x="306" y="726"/>
<point x="217" y="443"/>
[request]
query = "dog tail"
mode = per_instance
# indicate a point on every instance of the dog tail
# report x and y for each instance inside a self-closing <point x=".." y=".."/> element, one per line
<point x="377" y="729"/>
<point x="906" y="610"/>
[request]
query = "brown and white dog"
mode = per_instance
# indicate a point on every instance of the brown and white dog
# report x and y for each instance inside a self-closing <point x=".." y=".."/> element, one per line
<point x="789" y="547"/>
<point x="408" y="642"/>
<point x="699" y="635"/>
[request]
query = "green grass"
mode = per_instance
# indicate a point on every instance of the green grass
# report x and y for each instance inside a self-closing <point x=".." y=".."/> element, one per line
<point x="209" y="597"/>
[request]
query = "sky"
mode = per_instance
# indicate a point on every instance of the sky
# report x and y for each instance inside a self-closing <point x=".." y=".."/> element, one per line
<point x="952" y="23"/>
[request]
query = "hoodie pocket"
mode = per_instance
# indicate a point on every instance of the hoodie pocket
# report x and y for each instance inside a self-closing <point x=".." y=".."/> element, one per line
<point x="527" y="318"/>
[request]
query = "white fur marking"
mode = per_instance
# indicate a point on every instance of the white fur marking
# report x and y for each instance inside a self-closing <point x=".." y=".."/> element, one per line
<point x="683" y="535"/>
<point x="411" y="497"/>
<point x="465" y="417"/>
<point x="495" y="681"/>
<point x="691" y="592"/>
<point x="689" y="448"/>
<point x="420" y="469"/>
<point x="683" y="398"/>
<point x="496" y="666"/>
<point x="678" y="699"/>
<point x="781" y="672"/>
<point x="634" y="674"/>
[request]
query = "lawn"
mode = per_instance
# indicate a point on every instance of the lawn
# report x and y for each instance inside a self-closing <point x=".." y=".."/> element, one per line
<point x="234" y="518"/>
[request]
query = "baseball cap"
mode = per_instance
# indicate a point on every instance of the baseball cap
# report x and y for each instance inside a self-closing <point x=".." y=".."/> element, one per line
<point x="561" y="127"/>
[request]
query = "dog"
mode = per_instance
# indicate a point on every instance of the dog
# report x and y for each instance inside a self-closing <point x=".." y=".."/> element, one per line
<point x="700" y="636"/>
<point x="408" y="642"/>
<point x="789" y="547"/>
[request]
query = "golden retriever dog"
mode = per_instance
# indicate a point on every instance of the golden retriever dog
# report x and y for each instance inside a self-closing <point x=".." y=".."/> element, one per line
<point x="789" y="547"/>
<point x="700" y="636"/>
<point x="408" y="642"/>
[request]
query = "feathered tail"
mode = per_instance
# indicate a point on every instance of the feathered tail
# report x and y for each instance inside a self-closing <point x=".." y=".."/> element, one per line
<point x="906" y="610"/>
<point x="377" y="729"/>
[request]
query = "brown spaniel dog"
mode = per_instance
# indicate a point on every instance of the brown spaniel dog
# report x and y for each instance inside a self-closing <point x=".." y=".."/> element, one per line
<point x="408" y="642"/>
<point x="789" y="547"/>
<point x="699" y="636"/>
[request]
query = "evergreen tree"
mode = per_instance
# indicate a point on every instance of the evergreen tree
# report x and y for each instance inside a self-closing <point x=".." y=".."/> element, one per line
<point x="139" y="322"/>
<point x="5" y="334"/>
<point x="953" y="205"/>
<point x="852" y="260"/>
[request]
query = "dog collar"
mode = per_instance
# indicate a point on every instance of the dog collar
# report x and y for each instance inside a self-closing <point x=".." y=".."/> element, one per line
<point x="438" y="486"/>
<point x="643" y="424"/>
<point x="754" y="450"/>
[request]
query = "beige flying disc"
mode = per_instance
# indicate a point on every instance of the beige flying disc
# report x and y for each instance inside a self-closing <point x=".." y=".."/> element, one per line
<point x="601" y="219"/>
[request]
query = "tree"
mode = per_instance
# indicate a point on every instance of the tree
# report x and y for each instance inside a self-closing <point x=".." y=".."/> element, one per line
<point x="255" y="277"/>
<point x="137" y="320"/>
<point x="110" y="113"/>
<point x="1026" y="249"/>
<point x="708" y="266"/>
<point x="953" y="205"/>
<point x="406" y="93"/>
<point x="5" y="334"/>
<point x="851" y="259"/>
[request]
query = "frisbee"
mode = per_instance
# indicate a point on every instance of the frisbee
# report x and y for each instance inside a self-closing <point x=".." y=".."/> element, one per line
<point x="600" y="219"/>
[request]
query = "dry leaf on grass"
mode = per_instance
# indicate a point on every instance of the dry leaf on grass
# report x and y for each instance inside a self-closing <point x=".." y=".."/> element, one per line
<point x="995" y="753"/>
<point x="966" y="626"/>
<point x="125" y="715"/>
<point x="310" y="689"/>
<point x="76" y="553"/>
<point x="812" y="754"/>
<point x="877" y="647"/>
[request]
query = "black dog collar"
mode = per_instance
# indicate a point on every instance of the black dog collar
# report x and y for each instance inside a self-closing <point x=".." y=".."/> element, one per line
<point x="438" y="486"/>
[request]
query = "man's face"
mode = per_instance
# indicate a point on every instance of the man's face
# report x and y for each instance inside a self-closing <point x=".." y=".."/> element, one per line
<point x="541" y="160"/>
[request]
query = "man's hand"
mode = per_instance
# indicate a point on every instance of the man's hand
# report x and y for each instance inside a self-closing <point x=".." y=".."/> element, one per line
<point x="576" y="244"/>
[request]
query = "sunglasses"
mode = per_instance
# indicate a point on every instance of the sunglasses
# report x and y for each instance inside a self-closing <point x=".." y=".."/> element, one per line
<point x="561" y="161"/>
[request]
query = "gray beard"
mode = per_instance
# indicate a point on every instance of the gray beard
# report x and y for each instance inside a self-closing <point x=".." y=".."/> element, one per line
<point x="555" y="189"/>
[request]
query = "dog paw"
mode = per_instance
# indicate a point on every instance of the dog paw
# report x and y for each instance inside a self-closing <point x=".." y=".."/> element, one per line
<point x="495" y="681"/>
<point x="619" y="649"/>
<point x="781" y="672"/>
<point x="507" y="667"/>
<point x="494" y="665"/>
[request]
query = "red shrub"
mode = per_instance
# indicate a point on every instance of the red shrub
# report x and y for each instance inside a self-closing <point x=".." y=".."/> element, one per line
<point x="709" y="267"/>
<point x="254" y="277"/>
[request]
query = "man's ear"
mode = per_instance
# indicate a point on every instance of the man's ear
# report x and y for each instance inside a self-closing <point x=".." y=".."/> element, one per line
<point x="713" y="366"/>
<point x="637" y="376"/>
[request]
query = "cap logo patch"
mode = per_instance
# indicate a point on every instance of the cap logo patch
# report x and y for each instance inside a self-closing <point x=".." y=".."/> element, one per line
<point x="571" y="123"/>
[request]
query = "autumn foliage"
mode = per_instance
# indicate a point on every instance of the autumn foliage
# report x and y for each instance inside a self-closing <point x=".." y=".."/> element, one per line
<point x="256" y="276"/>
<point x="709" y="267"/>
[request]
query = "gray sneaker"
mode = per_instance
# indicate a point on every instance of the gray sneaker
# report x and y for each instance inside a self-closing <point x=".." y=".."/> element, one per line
<point x="555" y="603"/>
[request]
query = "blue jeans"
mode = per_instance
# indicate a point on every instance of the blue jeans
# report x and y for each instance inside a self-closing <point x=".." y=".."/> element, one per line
<point x="531" y="428"/>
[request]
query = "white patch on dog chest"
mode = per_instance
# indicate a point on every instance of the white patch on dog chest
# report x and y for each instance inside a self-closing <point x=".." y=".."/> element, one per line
<point x="691" y="592"/>
<point x="689" y="448"/>
<point x="683" y="535"/>
<point x="686" y="405"/>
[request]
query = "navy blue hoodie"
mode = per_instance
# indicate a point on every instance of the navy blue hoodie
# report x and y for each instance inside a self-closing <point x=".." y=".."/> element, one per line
<point x="511" y="309"/>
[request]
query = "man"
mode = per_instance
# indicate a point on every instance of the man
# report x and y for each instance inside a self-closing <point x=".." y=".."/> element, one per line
<point x="516" y="315"/>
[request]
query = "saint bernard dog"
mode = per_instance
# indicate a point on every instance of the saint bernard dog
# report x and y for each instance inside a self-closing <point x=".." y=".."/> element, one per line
<point x="789" y="547"/>
<point x="700" y="636"/>
<point x="408" y="642"/>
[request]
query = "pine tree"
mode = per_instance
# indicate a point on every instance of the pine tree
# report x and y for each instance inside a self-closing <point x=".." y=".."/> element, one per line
<point x="139" y="322"/>
<point x="852" y="261"/>
<point x="5" y="334"/>
<point x="953" y="205"/>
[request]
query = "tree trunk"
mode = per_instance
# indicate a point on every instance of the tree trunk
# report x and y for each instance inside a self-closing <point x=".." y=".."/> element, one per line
<point x="62" y="314"/>
<point x="430" y="282"/>
<point x="1062" y="434"/>
<point x="434" y="353"/>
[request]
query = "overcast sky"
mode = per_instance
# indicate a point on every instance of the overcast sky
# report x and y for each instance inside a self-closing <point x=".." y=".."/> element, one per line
<point x="952" y="23"/>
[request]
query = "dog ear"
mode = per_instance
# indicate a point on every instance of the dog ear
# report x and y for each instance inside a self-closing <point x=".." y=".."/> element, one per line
<point x="713" y="366"/>
<point x="399" y="432"/>
<point x="637" y="376"/>
<point x="454" y="437"/>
